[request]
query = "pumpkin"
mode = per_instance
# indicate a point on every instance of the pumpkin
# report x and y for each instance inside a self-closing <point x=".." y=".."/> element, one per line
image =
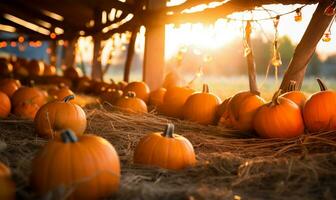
<point x="111" y="96"/>
<point x="131" y="103"/>
<point x="156" y="97"/>
<point x="9" y="86"/>
<point x="83" y="84"/>
<point x="26" y="110"/>
<point x="72" y="73"/>
<point x="59" y="115"/>
<point x="165" y="149"/>
<point x="141" y="90"/>
<point x="281" y="118"/>
<point x="5" y="105"/>
<point x="35" y="68"/>
<point x="174" y="100"/>
<point x="201" y="107"/>
<point x="88" y="166"/>
<point x="121" y="85"/>
<point x="172" y="79"/>
<point x="62" y="92"/>
<point x="223" y="113"/>
<point x="319" y="111"/>
<point x="6" y="67"/>
<point x="243" y="107"/>
<point x="99" y="87"/>
<point x="7" y="186"/>
<point x="49" y="70"/>
<point x="294" y="95"/>
<point x="31" y="94"/>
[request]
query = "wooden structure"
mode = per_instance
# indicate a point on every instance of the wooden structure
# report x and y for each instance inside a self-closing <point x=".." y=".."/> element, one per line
<point x="69" y="19"/>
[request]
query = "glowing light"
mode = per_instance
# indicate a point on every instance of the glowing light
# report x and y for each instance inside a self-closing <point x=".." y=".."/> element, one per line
<point x="53" y="15"/>
<point x="112" y="14"/>
<point x="44" y="23"/>
<point x="104" y="17"/>
<point x="3" y="44"/>
<point x="7" y="28"/>
<point x="13" y="44"/>
<point x="52" y="35"/>
<point x="26" y="24"/>
<point x="59" y="30"/>
<point x="118" y="14"/>
<point x="82" y="32"/>
<point x="21" y="39"/>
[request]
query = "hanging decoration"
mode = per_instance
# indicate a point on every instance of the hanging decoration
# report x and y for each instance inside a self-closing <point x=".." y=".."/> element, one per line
<point x="298" y="15"/>
<point x="276" y="58"/>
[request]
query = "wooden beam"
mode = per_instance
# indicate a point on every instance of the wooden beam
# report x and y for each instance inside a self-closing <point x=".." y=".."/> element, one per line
<point x="306" y="47"/>
<point x="251" y="67"/>
<point x="97" y="72"/>
<point x="130" y="54"/>
<point x="154" y="64"/>
<point x="70" y="54"/>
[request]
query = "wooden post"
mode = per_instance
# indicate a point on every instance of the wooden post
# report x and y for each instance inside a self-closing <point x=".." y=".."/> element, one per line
<point x="52" y="55"/>
<point x="251" y="67"/>
<point x="70" y="54"/>
<point x="97" y="72"/>
<point x="130" y="54"/>
<point x="306" y="48"/>
<point x="153" y="67"/>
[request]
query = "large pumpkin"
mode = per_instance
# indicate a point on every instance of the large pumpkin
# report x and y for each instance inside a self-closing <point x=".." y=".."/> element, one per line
<point x="156" y="97"/>
<point x="7" y="186"/>
<point x="294" y="95"/>
<point x="59" y="115"/>
<point x="88" y="166"/>
<point x="174" y="100"/>
<point x="243" y="107"/>
<point x="319" y="112"/>
<point x="165" y="149"/>
<point x="35" y="68"/>
<point x="131" y="103"/>
<point x="31" y="94"/>
<point x="281" y="118"/>
<point x="141" y="90"/>
<point x="5" y="105"/>
<point x="9" y="86"/>
<point x="26" y="110"/>
<point x="172" y="79"/>
<point x="201" y="107"/>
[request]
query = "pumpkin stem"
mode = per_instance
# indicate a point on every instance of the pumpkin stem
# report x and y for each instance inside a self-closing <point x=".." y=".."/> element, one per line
<point x="112" y="81"/>
<point x="68" y="136"/>
<point x="205" y="88"/>
<point x="323" y="87"/>
<point x="169" y="130"/>
<point x="68" y="98"/>
<point x="275" y="99"/>
<point x="131" y="94"/>
<point x="291" y="86"/>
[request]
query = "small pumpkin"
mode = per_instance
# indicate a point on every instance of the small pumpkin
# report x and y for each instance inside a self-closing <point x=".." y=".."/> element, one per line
<point x="165" y="149"/>
<point x="243" y="107"/>
<point x="35" y="68"/>
<point x="62" y="92"/>
<point x="156" y="97"/>
<point x="26" y="110"/>
<point x="7" y="186"/>
<point x="111" y="96"/>
<point x="59" y="115"/>
<point x="121" y="85"/>
<point x="131" y="103"/>
<point x="73" y="73"/>
<point x="31" y="94"/>
<point x="89" y="162"/>
<point x="201" y="107"/>
<point x="174" y="100"/>
<point x="294" y="95"/>
<point x="5" y="105"/>
<point x="9" y="86"/>
<point x="141" y="90"/>
<point x="281" y="118"/>
<point x="319" y="111"/>
<point x="49" y="70"/>
<point x="172" y="79"/>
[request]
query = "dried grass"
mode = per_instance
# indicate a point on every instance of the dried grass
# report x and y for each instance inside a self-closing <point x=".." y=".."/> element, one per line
<point x="231" y="165"/>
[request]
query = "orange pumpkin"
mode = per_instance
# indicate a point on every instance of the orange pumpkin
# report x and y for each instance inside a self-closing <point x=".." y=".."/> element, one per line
<point x="141" y="90"/>
<point x="294" y="95"/>
<point x="243" y="107"/>
<point x="319" y="112"/>
<point x="172" y="79"/>
<point x="62" y="92"/>
<point x="7" y="186"/>
<point x="87" y="166"/>
<point x="9" y="86"/>
<point x="156" y="97"/>
<point x="59" y="115"/>
<point x="165" y="149"/>
<point x="201" y="107"/>
<point x="26" y="110"/>
<point x="49" y="70"/>
<point x="111" y="96"/>
<point x="131" y="103"/>
<point x="121" y="85"/>
<point x="5" y="105"/>
<point x="174" y="100"/>
<point x="72" y="73"/>
<point x="35" y="68"/>
<point x="31" y="94"/>
<point x="281" y="118"/>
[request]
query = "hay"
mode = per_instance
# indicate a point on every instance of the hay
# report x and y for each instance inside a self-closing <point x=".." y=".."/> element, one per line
<point x="231" y="165"/>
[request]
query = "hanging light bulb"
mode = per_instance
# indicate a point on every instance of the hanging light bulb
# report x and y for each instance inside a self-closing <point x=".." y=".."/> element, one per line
<point x="326" y="37"/>
<point x="298" y="15"/>
<point x="331" y="9"/>
<point x="276" y="59"/>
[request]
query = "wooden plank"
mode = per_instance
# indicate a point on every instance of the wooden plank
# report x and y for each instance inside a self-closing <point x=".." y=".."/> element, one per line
<point x="306" y="47"/>
<point x="130" y="54"/>
<point x="153" y="67"/>
<point x="251" y="67"/>
<point x="97" y="72"/>
<point x="70" y="55"/>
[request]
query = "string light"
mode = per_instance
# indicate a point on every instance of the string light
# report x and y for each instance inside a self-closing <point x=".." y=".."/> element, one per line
<point x="53" y="35"/>
<point x="326" y="37"/>
<point x="21" y="39"/>
<point x="298" y="15"/>
<point x="13" y="44"/>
